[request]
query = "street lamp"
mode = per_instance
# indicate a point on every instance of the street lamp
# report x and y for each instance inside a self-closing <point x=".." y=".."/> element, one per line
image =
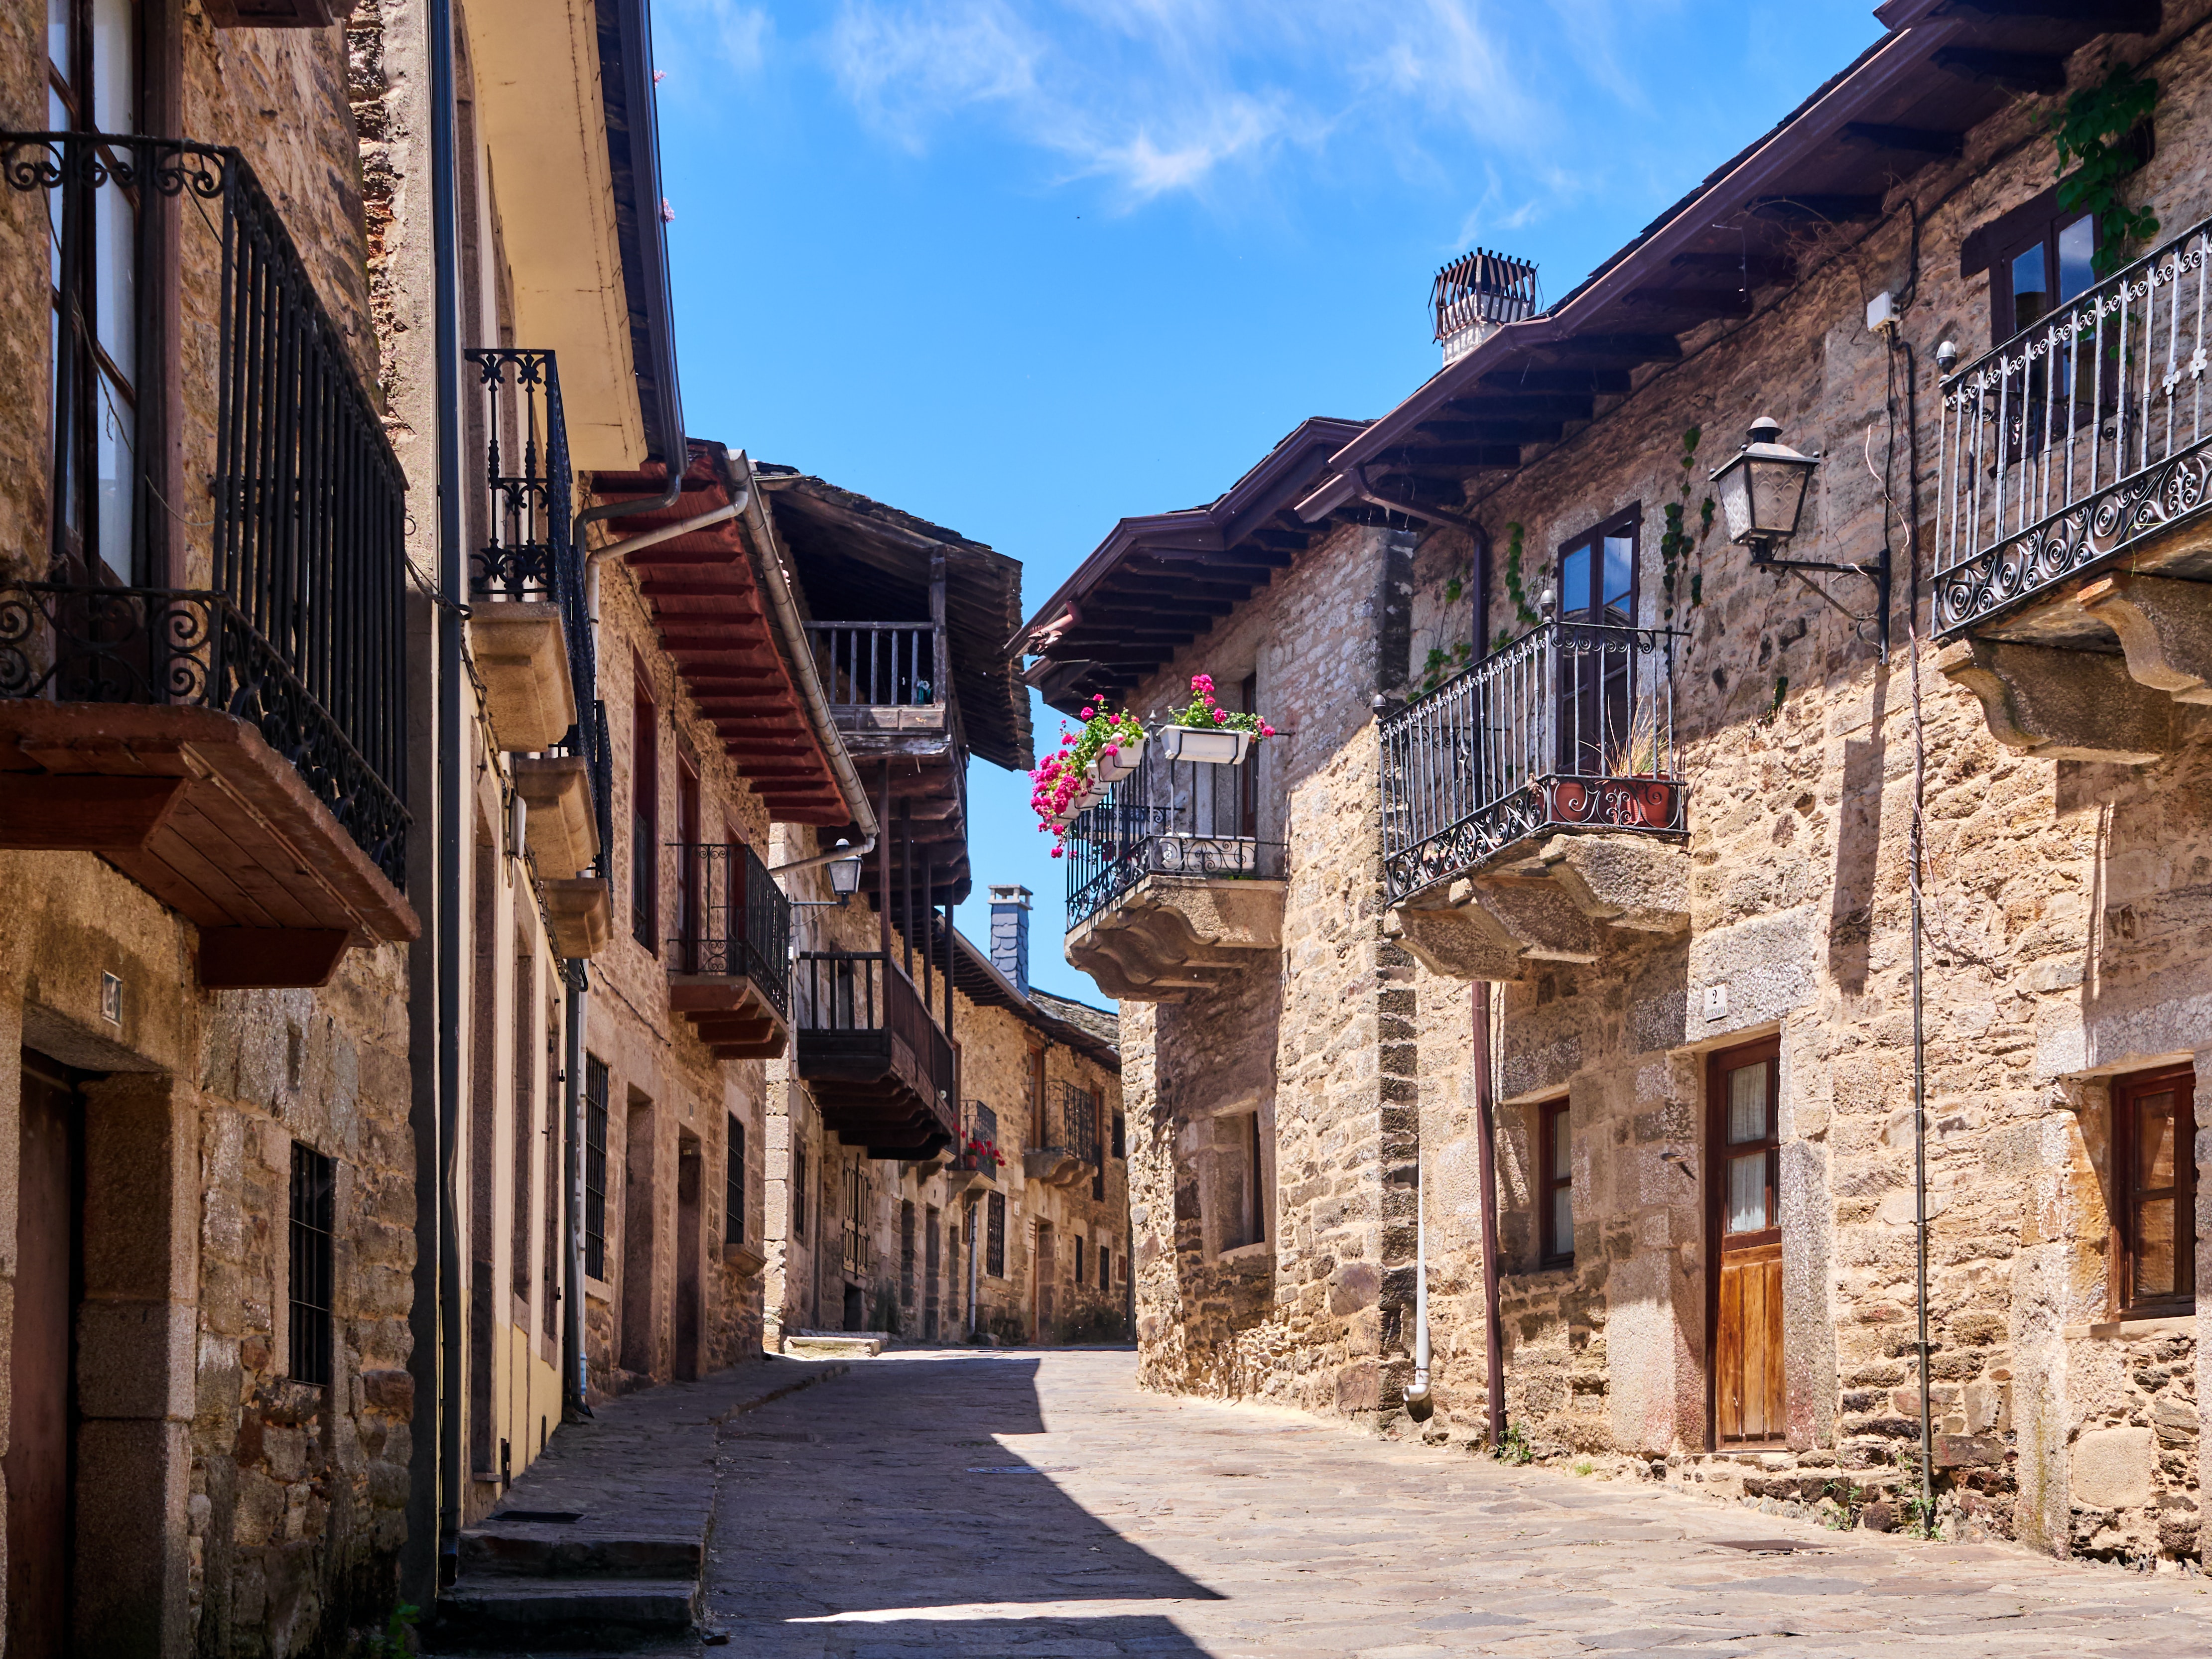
<point x="844" y="882"/>
<point x="1762" y="489"/>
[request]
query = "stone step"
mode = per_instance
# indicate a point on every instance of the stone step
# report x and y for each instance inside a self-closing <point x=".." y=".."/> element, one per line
<point x="562" y="1614"/>
<point x="504" y="1549"/>
<point x="852" y="1346"/>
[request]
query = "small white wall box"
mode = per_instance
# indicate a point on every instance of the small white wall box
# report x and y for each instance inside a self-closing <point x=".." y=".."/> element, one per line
<point x="1716" y="1002"/>
<point x="1881" y="312"/>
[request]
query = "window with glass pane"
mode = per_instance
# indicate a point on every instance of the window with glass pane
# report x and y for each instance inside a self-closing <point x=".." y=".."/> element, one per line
<point x="1749" y="1154"/>
<point x="595" y="1166"/>
<point x="2044" y="267"/>
<point x="2154" y="1125"/>
<point x="1556" y="1198"/>
<point x="1597" y="589"/>
<point x="92" y="80"/>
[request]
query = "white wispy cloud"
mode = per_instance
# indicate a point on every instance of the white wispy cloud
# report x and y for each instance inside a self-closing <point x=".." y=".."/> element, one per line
<point x="1158" y="97"/>
<point x="737" y="35"/>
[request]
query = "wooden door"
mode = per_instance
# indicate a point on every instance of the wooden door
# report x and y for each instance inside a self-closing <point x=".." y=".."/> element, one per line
<point x="47" y="1267"/>
<point x="1044" y="1272"/>
<point x="1746" y="1228"/>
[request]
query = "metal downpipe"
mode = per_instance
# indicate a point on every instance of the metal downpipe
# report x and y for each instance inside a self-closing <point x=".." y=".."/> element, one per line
<point x="453" y="769"/>
<point x="1493" y="1336"/>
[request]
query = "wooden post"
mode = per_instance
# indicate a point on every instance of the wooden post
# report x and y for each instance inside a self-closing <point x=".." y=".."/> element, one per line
<point x="940" y="657"/>
<point x="884" y="866"/>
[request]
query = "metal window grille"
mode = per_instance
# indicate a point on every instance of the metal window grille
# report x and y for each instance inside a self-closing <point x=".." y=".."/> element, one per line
<point x="525" y="1127"/>
<point x="733" y="1189"/>
<point x="906" y="1254"/>
<point x="995" y="1241"/>
<point x="595" y="1167"/>
<point x="798" y="1192"/>
<point x="314" y="1199"/>
<point x="300" y="628"/>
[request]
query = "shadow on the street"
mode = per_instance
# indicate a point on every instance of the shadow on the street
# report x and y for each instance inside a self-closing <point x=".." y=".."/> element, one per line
<point x="886" y="1490"/>
<point x="1133" y="1633"/>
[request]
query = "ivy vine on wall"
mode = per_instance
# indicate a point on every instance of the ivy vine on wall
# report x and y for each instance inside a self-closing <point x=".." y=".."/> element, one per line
<point x="2095" y="131"/>
<point x="1523" y="612"/>
<point x="1677" y="544"/>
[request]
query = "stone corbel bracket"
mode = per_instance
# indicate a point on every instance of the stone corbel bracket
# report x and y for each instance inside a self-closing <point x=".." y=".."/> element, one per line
<point x="1171" y="935"/>
<point x="2165" y="628"/>
<point x="1552" y="906"/>
<point x="2057" y="704"/>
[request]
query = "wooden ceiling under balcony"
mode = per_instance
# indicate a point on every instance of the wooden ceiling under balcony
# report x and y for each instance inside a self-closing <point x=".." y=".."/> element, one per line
<point x="714" y="620"/>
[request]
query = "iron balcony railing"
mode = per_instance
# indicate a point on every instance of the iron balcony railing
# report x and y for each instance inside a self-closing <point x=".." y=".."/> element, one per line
<point x="528" y="553"/>
<point x="1168" y="818"/>
<point x="860" y="992"/>
<point x="298" y="628"/>
<point x="1570" y="726"/>
<point x="2075" y="439"/>
<point x="880" y="664"/>
<point x="1071" y="1126"/>
<point x="732" y="919"/>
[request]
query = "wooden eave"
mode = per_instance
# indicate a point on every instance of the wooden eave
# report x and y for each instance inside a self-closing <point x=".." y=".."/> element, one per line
<point x="713" y="619"/>
<point x="857" y="559"/>
<point x="1905" y="104"/>
<point x="1161" y="581"/>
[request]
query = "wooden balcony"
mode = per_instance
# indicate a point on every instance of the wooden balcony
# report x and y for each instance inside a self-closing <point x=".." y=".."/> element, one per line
<point x="730" y="960"/>
<point x="232" y="742"/>
<point x="880" y="1067"/>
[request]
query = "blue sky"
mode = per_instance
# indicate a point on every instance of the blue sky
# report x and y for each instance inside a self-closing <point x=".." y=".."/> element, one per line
<point x="1023" y="268"/>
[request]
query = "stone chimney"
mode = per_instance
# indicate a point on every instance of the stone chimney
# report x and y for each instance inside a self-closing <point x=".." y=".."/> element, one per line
<point x="1009" y="934"/>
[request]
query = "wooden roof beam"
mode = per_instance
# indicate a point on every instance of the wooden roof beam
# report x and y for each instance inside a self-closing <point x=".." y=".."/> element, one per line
<point x="1900" y="141"/>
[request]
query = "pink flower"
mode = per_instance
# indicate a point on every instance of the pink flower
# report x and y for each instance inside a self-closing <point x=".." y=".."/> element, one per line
<point x="1220" y="717"/>
<point x="1201" y="682"/>
<point x="1056" y="852"/>
<point x="1266" y="731"/>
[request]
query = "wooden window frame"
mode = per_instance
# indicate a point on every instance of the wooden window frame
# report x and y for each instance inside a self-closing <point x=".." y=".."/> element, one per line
<point x="733" y="1186"/>
<point x="2125" y="1091"/>
<point x="596" y="1083"/>
<point x="1628" y="522"/>
<point x="1553" y="1122"/>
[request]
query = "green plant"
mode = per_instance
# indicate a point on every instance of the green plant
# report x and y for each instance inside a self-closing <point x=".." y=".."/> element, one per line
<point x="1203" y="711"/>
<point x="1676" y="543"/>
<point x="397" y="1639"/>
<point x="2094" y="129"/>
<point x="1638" y="754"/>
<point x="1515" y="1447"/>
<point x="1525" y="613"/>
<point x="1583" y="1465"/>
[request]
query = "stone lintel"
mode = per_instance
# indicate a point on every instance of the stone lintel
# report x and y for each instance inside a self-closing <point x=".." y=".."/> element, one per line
<point x="2063" y="705"/>
<point x="2165" y="628"/>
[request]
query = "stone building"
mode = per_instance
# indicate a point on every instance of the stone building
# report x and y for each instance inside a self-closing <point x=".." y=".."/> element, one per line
<point x="1574" y="906"/>
<point x="1017" y="1231"/>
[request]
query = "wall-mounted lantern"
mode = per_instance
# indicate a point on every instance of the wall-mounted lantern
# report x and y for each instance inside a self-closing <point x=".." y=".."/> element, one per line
<point x="1762" y="494"/>
<point x="844" y="881"/>
<point x="1762" y="489"/>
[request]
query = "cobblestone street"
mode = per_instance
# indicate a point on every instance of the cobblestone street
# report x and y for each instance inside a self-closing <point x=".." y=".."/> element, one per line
<point x="1039" y="1504"/>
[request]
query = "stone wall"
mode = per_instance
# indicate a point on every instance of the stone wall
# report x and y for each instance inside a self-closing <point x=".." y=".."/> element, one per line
<point x="2065" y="943"/>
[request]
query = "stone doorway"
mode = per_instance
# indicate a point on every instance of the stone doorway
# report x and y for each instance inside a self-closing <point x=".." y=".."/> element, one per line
<point x="1043" y="1312"/>
<point x="689" y="1171"/>
<point x="49" y="1276"/>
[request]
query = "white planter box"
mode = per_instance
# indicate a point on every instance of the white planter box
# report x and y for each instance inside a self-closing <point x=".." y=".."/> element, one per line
<point x="1112" y="769"/>
<point x="1215" y="747"/>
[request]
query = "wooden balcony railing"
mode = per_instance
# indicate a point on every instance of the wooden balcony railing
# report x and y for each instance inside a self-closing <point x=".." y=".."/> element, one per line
<point x="861" y="993"/>
<point x="2076" y="441"/>
<point x="880" y="665"/>
<point x="1570" y="726"/>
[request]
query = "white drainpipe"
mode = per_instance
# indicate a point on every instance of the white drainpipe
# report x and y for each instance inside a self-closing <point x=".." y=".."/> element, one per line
<point x="1418" y="1406"/>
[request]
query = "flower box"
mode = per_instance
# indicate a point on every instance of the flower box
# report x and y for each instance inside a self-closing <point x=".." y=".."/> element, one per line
<point x="1112" y="769"/>
<point x="1214" y="747"/>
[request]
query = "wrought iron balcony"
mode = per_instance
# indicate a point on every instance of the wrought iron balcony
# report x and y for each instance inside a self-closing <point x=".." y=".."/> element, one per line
<point x="2077" y="446"/>
<point x="233" y="740"/>
<point x="1570" y="726"/>
<point x="1170" y="886"/>
<point x="1072" y="1151"/>
<point x="880" y="1069"/>
<point x="730" y="959"/>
